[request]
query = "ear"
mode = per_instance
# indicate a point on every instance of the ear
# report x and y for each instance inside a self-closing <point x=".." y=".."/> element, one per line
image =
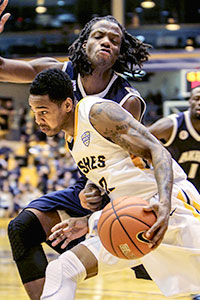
<point x="84" y="44"/>
<point x="68" y="104"/>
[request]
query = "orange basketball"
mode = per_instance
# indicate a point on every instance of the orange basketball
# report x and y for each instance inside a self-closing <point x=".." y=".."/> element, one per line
<point x="122" y="227"/>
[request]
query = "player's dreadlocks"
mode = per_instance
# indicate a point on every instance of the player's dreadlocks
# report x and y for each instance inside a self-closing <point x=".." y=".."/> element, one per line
<point x="132" y="52"/>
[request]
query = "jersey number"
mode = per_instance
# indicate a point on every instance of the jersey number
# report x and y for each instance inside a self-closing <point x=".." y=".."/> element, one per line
<point x="104" y="185"/>
<point x="193" y="171"/>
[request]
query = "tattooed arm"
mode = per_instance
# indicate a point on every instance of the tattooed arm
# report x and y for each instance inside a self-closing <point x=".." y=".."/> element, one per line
<point x="115" y="124"/>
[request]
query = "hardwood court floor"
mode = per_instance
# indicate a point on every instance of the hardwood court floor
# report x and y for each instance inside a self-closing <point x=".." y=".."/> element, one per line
<point x="117" y="286"/>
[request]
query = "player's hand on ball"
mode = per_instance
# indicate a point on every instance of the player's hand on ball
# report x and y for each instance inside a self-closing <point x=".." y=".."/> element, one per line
<point x="5" y="17"/>
<point x="122" y="226"/>
<point x="156" y="233"/>
<point x="90" y="197"/>
<point x="68" y="230"/>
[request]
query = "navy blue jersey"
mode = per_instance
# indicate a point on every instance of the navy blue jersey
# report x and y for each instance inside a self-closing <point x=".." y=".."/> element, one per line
<point x="184" y="146"/>
<point x="118" y="89"/>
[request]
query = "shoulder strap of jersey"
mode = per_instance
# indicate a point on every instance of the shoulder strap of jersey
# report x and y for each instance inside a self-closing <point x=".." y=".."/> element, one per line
<point x="69" y="69"/>
<point x="174" y="118"/>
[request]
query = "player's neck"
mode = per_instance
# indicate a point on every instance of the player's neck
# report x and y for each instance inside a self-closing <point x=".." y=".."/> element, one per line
<point x="196" y="124"/>
<point x="97" y="82"/>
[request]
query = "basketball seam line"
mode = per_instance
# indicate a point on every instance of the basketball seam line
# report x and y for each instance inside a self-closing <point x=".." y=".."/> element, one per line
<point x="135" y="204"/>
<point x="125" y="229"/>
<point x="106" y="211"/>
<point x="135" y="219"/>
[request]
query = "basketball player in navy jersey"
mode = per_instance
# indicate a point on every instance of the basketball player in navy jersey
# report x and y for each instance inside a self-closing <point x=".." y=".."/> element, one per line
<point x="103" y="49"/>
<point x="180" y="134"/>
<point x="102" y="136"/>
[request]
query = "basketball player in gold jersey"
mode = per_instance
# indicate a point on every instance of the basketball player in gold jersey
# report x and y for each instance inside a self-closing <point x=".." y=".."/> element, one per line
<point x="117" y="135"/>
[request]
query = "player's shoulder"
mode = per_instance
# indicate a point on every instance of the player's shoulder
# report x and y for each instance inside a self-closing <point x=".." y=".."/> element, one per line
<point x="68" y="67"/>
<point x="167" y="121"/>
<point x="178" y="119"/>
<point x="89" y="102"/>
<point x="100" y="106"/>
<point x="162" y="129"/>
<point x="127" y="85"/>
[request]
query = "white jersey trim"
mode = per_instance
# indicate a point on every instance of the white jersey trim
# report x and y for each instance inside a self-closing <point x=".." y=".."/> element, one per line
<point x="134" y="94"/>
<point x="190" y="127"/>
<point x="173" y="117"/>
<point x="104" y="92"/>
<point x="100" y="95"/>
<point x="64" y="66"/>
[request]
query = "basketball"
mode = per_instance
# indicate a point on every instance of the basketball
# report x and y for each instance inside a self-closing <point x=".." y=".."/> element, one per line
<point x="122" y="227"/>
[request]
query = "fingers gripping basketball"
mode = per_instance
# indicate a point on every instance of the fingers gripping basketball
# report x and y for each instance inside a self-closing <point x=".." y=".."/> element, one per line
<point x="122" y="227"/>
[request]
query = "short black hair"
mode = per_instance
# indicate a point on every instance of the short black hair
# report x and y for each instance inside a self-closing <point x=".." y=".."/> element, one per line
<point x="132" y="52"/>
<point x="193" y="90"/>
<point x="54" y="83"/>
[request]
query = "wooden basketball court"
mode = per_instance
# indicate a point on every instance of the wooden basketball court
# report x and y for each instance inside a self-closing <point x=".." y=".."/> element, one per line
<point x="116" y="286"/>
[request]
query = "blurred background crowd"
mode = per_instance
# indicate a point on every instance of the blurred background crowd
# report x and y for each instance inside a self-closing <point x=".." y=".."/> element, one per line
<point x="30" y="163"/>
<point x="54" y="24"/>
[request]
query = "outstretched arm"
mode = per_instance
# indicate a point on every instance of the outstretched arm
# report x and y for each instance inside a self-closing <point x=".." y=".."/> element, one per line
<point x="162" y="129"/>
<point x="115" y="124"/>
<point x="19" y="71"/>
<point x="68" y="230"/>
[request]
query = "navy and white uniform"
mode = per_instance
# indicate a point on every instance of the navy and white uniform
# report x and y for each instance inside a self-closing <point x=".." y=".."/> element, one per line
<point x="110" y="167"/>
<point x="184" y="145"/>
<point x="119" y="90"/>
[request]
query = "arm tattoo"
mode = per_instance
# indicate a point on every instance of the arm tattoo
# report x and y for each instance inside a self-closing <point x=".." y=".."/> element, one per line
<point x="111" y="110"/>
<point x="118" y="126"/>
